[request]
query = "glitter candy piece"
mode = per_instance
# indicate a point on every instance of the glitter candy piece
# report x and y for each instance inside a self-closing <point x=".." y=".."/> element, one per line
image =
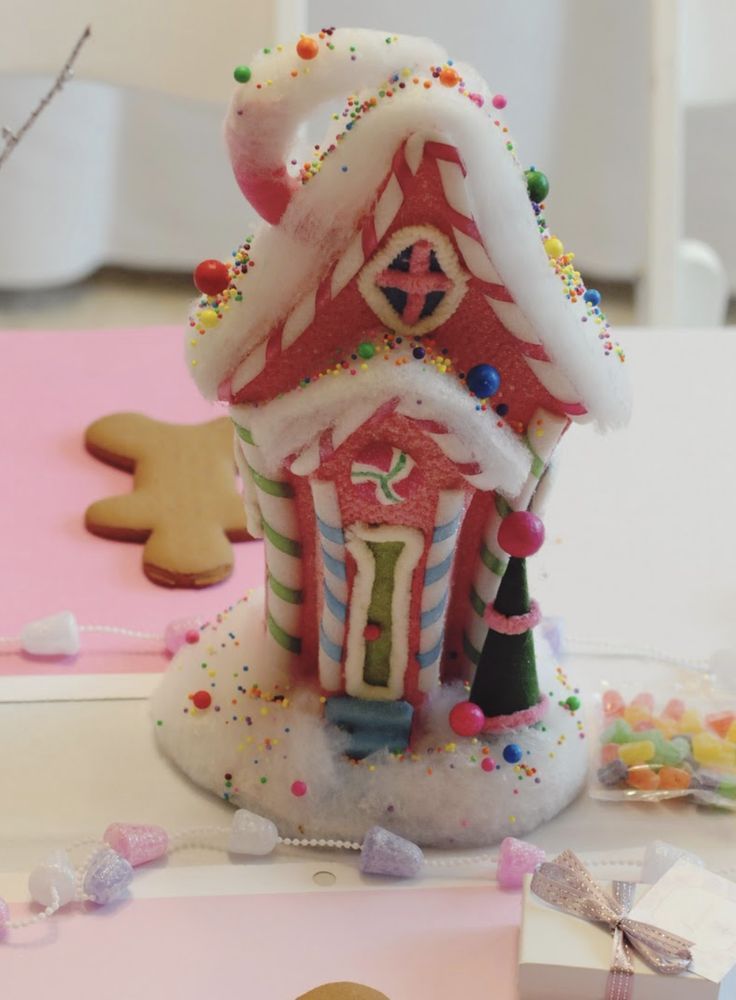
<point x="136" y="843"/>
<point x="57" y="635"/>
<point x="108" y="876"/>
<point x="385" y="853"/>
<point x="252" y="834"/>
<point x="55" y="875"/>
<point x="515" y="860"/>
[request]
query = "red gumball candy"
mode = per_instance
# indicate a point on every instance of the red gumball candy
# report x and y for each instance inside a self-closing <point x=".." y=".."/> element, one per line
<point x="521" y="534"/>
<point x="211" y="277"/>
<point x="467" y="719"/>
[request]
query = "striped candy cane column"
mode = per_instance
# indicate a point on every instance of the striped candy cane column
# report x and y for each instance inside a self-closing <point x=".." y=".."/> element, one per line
<point x="331" y="542"/>
<point x="436" y="592"/>
<point x="284" y="595"/>
<point x="543" y="433"/>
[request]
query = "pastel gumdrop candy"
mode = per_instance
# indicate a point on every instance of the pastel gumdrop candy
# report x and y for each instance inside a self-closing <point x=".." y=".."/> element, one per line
<point x="690" y="721"/>
<point x="674" y="709"/>
<point x="385" y="853"/>
<point x="672" y="753"/>
<point x="674" y="778"/>
<point x="252" y="834"/>
<point x="618" y="732"/>
<point x="660" y="856"/>
<point x="56" y="635"/>
<point x="609" y="752"/>
<point x="727" y="788"/>
<point x="667" y="727"/>
<point x="635" y="714"/>
<point x="137" y="843"/>
<point x="711" y="749"/>
<point x="720" y="722"/>
<point x="637" y="753"/>
<point x="515" y="860"/>
<point x="644" y="700"/>
<point x="54" y="881"/>
<point x="613" y="703"/>
<point x="613" y="773"/>
<point x="643" y="778"/>
<point x="107" y="877"/>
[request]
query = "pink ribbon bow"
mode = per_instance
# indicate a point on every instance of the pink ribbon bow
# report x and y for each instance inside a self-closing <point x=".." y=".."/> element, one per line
<point x="567" y="884"/>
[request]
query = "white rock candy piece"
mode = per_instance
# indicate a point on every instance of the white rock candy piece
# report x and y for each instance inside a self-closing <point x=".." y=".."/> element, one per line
<point x="52" y="636"/>
<point x="252" y="834"/>
<point x="55" y="873"/>
<point x="660" y="856"/>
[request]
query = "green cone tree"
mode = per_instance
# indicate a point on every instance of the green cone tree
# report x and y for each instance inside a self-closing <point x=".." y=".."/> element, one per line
<point x="506" y="676"/>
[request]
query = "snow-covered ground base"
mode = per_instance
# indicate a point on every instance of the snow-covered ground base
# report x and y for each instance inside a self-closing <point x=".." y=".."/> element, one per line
<point x="259" y="744"/>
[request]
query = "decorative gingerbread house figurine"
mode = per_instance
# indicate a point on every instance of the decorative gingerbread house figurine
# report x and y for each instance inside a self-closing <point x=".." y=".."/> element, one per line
<point x="402" y="346"/>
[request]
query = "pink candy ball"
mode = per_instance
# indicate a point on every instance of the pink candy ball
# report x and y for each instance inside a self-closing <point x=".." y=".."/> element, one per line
<point x="467" y="719"/>
<point x="521" y="534"/>
<point x="299" y="788"/>
<point x="488" y="764"/>
<point x="499" y="102"/>
<point x="179" y="631"/>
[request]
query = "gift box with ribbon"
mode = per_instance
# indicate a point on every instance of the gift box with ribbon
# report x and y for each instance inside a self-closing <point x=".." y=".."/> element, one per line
<point x="578" y="943"/>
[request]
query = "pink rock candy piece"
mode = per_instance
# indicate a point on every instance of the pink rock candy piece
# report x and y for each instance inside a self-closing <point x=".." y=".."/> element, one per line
<point x="180" y="631"/>
<point x="613" y="704"/>
<point x="644" y="700"/>
<point x="137" y="843"/>
<point x="674" y="708"/>
<point x="517" y="859"/>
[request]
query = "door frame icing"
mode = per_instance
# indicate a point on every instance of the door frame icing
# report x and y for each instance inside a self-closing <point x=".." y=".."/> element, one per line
<point x="357" y="538"/>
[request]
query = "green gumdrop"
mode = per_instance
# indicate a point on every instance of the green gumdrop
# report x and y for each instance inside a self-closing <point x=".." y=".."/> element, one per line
<point x="537" y="185"/>
<point x="727" y="789"/>
<point x="654" y="736"/>
<point x="619" y="732"/>
<point x="668" y="753"/>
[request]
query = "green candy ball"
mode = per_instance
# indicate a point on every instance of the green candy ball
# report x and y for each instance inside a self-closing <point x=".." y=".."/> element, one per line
<point x="537" y="185"/>
<point x="366" y="350"/>
<point x="573" y="703"/>
<point x="242" y="74"/>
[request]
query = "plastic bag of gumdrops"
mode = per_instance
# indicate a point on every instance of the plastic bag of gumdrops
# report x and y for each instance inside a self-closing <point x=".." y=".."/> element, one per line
<point x="669" y="742"/>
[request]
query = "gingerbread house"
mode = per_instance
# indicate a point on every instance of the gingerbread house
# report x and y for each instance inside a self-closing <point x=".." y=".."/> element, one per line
<point x="402" y="347"/>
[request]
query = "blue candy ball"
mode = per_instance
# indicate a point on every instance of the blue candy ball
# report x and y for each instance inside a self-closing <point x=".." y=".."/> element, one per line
<point x="592" y="296"/>
<point x="512" y="753"/>
<point x="484" y="381"/>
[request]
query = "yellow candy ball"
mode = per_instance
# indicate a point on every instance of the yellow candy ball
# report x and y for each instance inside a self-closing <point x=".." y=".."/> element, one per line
<point x="207" y="317"/>
<point x="554" y="247"/>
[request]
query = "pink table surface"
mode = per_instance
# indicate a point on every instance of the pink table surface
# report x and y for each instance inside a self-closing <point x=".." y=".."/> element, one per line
<point x="451" y="944"/>
<point x="52" y="385"/>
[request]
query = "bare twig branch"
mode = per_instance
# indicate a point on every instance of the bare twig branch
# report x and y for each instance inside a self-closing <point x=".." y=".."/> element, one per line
<point x="11" y="138"/>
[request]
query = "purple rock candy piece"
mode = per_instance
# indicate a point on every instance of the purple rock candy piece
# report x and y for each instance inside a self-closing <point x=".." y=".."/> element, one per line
<point x="385" y="853"/>
<point x="515" y="860"/>
<point x="612" y="773"/>
<point x="108" y="876"/>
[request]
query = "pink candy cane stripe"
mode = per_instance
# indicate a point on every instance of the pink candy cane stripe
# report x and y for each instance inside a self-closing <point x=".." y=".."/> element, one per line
<point x="526" y="717"/>
<point x="512" y="624"/>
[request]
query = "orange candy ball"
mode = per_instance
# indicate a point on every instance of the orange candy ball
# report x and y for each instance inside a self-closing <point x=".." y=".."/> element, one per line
<point x="643" y="778"/>
<point x="449" y="77"/>
<point x="307" y="48"/>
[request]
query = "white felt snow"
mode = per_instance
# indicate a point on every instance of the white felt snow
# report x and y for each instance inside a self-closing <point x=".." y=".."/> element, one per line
<point x="323" y="214"/>
<point x="438" y="795"/>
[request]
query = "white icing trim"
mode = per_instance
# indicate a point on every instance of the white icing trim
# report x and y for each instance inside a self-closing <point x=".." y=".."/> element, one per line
<point x="476" y="259"/>
<point x="358" y="535"/>
<point x="553" y="380"/>
<point x="388" y="205"/>
<point x="299" y="319"/>
<point x="453" y="184"/>
<point x="348" y="265"/>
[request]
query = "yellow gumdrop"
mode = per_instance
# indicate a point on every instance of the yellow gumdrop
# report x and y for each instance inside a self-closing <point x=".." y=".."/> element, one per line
<point x="711" y="749"/>
<point x="636" y="753"/>
<point x="731" y="734"/>
<point x="207" y="317"/>
<point x="667" y="727"/>
<point x="554" y="247"/>
<point x="690" y="721"/>
<point x="634" y="714"/>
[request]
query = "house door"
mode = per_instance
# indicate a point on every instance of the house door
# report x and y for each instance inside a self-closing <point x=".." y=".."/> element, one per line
<point x="386" y="557"/>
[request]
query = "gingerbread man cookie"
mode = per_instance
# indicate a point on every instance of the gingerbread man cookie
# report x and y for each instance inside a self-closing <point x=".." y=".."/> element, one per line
<point x="185" y="504"/>
<point x="343" y="991"/>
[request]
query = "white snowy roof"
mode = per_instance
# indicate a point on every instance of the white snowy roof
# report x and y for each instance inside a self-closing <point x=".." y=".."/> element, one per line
<point x="322" y="216"/>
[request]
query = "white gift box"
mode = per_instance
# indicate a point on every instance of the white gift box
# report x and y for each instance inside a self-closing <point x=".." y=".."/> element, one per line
<point x="562" y="957"/>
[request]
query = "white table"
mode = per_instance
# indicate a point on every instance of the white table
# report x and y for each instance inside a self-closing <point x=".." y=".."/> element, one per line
<point x="640" y="549"/>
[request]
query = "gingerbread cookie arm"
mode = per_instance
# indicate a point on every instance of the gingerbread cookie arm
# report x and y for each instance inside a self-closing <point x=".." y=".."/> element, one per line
<point x="119" y="439"/>
<point x="124" y="518"/>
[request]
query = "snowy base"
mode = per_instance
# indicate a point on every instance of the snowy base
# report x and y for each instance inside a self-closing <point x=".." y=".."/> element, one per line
<point x="250" y="748"/>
